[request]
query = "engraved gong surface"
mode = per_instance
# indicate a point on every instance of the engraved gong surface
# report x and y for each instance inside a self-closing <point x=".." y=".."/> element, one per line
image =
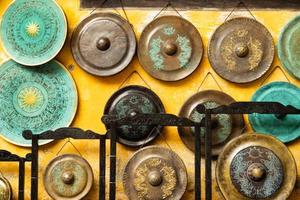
<point x="68" y="177"/>
<point x="286" y="128"/>
<point x="224" y="127"/>
<point x="5" y="189"/>
<point x="103" y="44"/>
<point x="33" y="31"/>
<point x="37" y="98"/>
<point x="288" y="47"/>
<point x="241" y="50"/>
<point x="155" y="173"/>
<point x="170" y="48"/>
<point x="256" y="166"/>
<point x="132" y="100"/>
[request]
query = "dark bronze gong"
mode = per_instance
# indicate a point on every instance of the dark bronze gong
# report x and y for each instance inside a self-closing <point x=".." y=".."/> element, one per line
<point x="129" y="101"/>
<point x="170" y="48"/>
<point x="103" y="44"/>
<point x="256" y="166"/>
<point x="241" y="50"/>
<point x="155" y="173"/>
<point x="224" y="127"/>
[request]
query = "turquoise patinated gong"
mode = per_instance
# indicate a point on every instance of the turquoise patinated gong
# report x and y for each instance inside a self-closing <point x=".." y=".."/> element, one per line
<point x="39" y="99"/>
<point x="289" y="48"/>
<point x="285" y="128"/>
<point x="33" y="31"/>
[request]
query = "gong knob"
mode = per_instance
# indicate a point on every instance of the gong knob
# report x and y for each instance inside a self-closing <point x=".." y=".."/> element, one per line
<point x="256" y="172"/>
<point x="155" y="178"/>
<point x="68" y="177"/>
<point x="170" y="48"/>
<point x="103" y="44"/>
<point x="241" y="50"/>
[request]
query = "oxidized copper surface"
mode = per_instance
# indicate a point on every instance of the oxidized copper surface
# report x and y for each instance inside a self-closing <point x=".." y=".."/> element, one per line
<point x="103" y="44"/>
<point x="129" y="101"/>
<point x="241" y="50"/>
<point x="68" y="177"/>
<point x="170" y="48"/>
<point x="155" y="173"/>
<point x="224" y="127"/>
<point x="256" y="166"/>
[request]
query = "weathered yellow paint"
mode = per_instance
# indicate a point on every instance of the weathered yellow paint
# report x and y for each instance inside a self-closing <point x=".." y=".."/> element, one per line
<point x="94" y="92"/>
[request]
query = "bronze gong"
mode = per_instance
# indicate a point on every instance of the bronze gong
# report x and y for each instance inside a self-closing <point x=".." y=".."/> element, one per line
<point x="155" y="173"/>
<point x="224" y="127"/>
<point x="241" y="50"/>
<point x="103" y="44"/>
<point x="170" y="48"/>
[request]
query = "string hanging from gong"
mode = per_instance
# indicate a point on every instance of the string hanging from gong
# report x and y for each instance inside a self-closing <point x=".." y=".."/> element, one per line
<point x="168" y="5"/>
<point x="214" y="79"/>
<point x="238" y="6"/>
<point x="130" y="75"/>
<point x="64" y="145"/>
<point x="272" y="71"/>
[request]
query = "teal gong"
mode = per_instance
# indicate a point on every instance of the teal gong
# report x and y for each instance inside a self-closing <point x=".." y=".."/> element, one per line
<point x="33" y="31"/>
<point x="284" y="127"/>
<point x="39" y="99"/>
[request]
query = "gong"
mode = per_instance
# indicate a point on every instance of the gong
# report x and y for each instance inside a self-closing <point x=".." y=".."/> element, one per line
<point x="103" y="44"/>
<point x="170" y="48"/>
<point x="68" y="177"/>
<point x="129" y="101"/>
<point x="5" y="188"/>
<point x="286" y="128"/>
<point x="33" y="31"/>
<point x="225" y="127"/>
<point x="256" y="166"/>
<point x="155" y="173"/>
<point x="241" y="50"/>
<point x="39" y="99"/>
<point x="288" y="47"/>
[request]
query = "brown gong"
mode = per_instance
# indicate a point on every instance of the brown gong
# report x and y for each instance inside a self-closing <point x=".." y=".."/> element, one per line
<point x="241" y="50"/>
<point x="224" y="127"/>
<point x="256" y="166"/>
<point x="170" y="48"/>
<point x="155" y="173"/>
<point x="103" y="44"/>
<point x="5" y="188"/>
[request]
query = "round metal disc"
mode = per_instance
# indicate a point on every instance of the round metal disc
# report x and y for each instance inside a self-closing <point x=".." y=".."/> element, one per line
<point x="286" y="128"/>
<point x="155" y="173"/>
<point x="288" y="47"/>
<point x="133" y="100"/>
<point x="170" y="48"/>
<point x="241" y="50"/>
<point x="256" y="166"/>
<point x="5" y="189"/>
<point x="224" y="127"/>
<point x="68" y="177"/>
<point x="33" y="31"/>
<point x="103" y="44"/>
<point x="37" y="98"/>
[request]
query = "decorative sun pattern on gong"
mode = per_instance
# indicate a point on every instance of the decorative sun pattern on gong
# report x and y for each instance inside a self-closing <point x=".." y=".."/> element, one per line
<point x="32" y="29"/>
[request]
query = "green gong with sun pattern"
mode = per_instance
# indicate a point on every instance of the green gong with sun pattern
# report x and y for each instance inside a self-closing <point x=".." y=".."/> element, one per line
<point x="33" y="31"/>
<point x="37" y="98"/>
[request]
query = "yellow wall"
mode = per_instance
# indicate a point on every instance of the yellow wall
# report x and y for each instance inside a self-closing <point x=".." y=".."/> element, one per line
<point x="94" y="92"/>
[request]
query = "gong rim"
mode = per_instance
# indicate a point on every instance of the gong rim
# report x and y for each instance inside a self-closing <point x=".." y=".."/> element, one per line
<point x="155" y="151"/>
<point x="96" y="70"/>
<point x="178" y="74"/>
<point x="156" y="130"/>
<point x="7" y="185"/>
<point x="223" y="177"/>
<point x="250" y="75"/>
<point x="186" y="110"/>
<point x="25" y="143"/>
<point x="31" y="63"/>
<point x="68" y="157"/>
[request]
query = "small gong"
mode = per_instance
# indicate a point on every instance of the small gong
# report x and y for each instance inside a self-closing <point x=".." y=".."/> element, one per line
<point x="241" y="50"/>
<point x="155" y="173"/>
<point x="5" y="188"/>
<point x="224" y="127"/>
<point x="130" y="101"/>
<point x="170" y="48"/>
<point x="103" y="44"/>
<point x="68" y="177"/>
<point x="256" y="166"/>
